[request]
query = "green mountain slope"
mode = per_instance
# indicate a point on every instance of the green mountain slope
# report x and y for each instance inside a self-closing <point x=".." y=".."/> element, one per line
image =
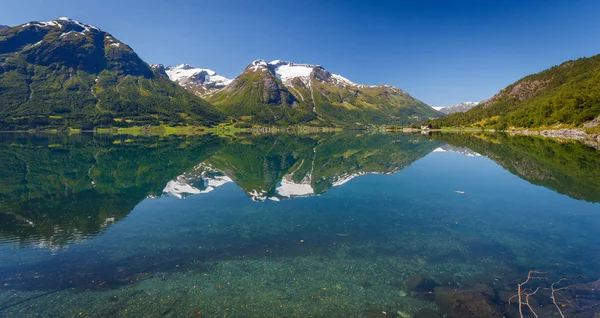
<point x="64" y="73"/>
<point x="287" y="93"/>
<point x="566" y="94"/>
<point x="258" y="93"/>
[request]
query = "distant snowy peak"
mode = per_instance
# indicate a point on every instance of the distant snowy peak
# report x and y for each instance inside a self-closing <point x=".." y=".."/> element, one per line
<point x="63" y="23"/>
<point x="287" y="71"/>
<point x="200" y="80"/>
<point x="258" y="65"/>
<point x="69" y="29"/>
<point x="459" y="108"/>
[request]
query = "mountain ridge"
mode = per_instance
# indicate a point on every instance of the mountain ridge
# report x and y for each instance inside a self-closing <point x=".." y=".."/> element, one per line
<point x="563" y="96"/>
<point x="281" y="92"/>
<point x="64" y="73"/>
<point x="201" y="81"/>
<point x="458" y="108"/>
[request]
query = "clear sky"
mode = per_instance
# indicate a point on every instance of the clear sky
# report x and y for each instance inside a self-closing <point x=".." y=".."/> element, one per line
<point x="442" y="52"/>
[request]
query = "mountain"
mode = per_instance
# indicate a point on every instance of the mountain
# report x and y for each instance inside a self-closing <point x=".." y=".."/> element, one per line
<point x="284" y="92"/>
<point x="564" y="95"/>
<point x="64" y="73"/>
<point x="459" y="108"/>
<point x="4" y="26"/>
<point x="201" y="81"/>
<point x="257" y="93"/>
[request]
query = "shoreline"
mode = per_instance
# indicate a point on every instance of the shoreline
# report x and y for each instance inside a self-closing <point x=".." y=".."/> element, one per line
<point x="577" y="134"/>
<point x="182" y="130"/>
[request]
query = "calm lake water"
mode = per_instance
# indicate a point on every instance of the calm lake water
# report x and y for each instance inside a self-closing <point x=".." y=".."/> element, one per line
<point x="347" y="225"/>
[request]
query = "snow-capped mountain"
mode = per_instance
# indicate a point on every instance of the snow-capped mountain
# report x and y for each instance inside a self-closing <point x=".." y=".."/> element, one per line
<point x="459" y="108"/>
<point x="287" y="71"/>
<point x="288" y="92"/>
<point x="110" y="78"/>
<point x="201" y="81"/>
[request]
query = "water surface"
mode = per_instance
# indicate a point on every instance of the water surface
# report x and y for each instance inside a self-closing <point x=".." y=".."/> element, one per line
<point x="349" y="225"/>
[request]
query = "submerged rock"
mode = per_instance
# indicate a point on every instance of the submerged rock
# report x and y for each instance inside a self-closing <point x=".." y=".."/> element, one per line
<point x="469" y="303"/>
<point x="421" y="286"/>
<point x="380" y="314"/>
<point x="427" y="313"/>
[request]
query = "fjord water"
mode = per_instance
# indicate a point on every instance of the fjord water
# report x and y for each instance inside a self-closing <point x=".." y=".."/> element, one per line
<point x="346" y="225"/>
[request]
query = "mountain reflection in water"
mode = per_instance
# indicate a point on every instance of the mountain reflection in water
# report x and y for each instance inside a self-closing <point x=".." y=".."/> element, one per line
<point x="58" y="189"/>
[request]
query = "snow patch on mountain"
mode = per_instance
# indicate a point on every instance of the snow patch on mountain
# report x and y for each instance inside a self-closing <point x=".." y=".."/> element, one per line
<point x="287" y="71"/>
<point x="185" y="71"/>
<point x="258" y="65"/>
<point x="343" y="80"/>
<point x="61" y="22"/>
<point x="462" y="107"/>
<point x="191" y="77"/>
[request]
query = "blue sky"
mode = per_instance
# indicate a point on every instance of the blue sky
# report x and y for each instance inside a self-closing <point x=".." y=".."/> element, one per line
<point x="442" y="52"/>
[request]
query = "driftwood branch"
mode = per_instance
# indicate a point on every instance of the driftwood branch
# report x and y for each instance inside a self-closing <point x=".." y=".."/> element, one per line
<point x="524" y="294"/>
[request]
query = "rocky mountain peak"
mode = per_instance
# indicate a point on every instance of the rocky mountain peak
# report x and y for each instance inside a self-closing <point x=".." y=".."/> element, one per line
<point x="201" y="81"/>
<point x="181" y="67"/>
<point x="287" y="71"/>
<point x="67" y="24"/>
<point x="458" y="108"/>
<point x="258" y="65"/>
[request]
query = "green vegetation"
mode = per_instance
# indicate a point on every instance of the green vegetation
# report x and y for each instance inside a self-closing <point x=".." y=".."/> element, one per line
<point x="74" y="76"/>
<point x="567" y="95"/>
<point x="260" y="95"/>
<point x="569" y="168"/>
<point x="360" y="106"/>
<point x="57" y="78"/>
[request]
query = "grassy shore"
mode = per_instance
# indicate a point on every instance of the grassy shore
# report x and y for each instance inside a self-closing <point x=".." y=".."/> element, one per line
<point x="226" y="129"/>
